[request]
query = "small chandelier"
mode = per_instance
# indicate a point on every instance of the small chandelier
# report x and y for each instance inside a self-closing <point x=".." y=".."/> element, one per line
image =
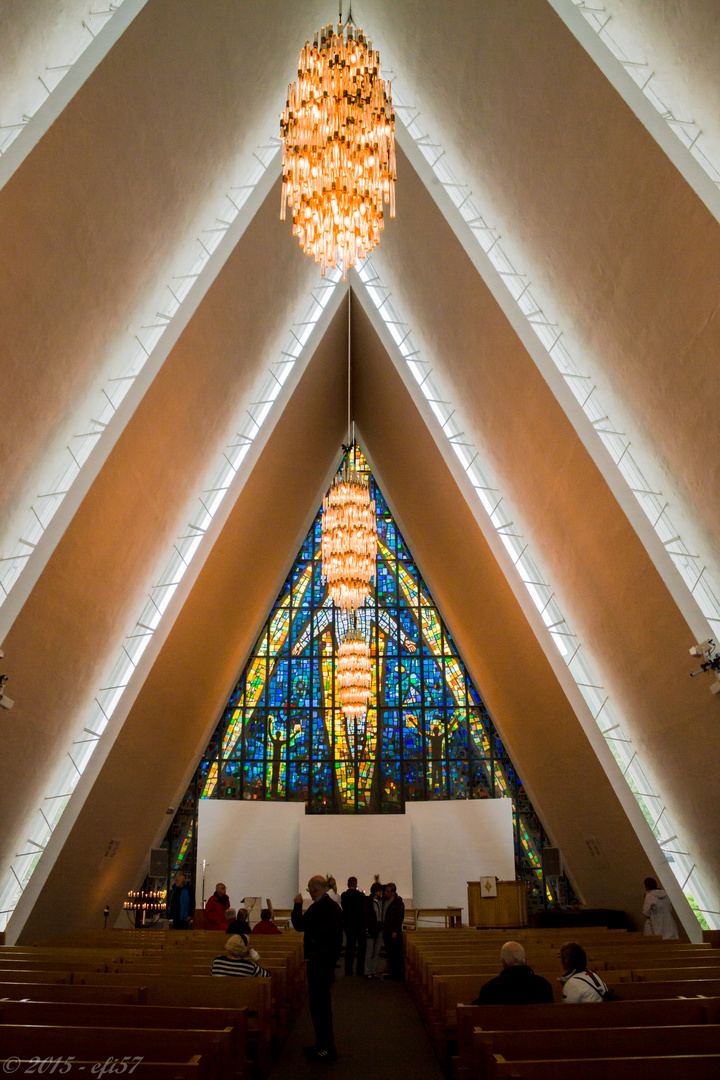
<point x="349" y="539"/>
<point x="353" y="678"/>
<point x="338" y="148"/>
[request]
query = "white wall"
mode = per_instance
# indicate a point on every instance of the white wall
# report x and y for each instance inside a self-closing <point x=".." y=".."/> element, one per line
<point x="457" y="842"/>
<point x="252" y="847"/>
<point x="360" y="846"/>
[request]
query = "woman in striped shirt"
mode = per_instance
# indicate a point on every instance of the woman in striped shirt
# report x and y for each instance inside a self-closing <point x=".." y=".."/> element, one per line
<point x="239" y="960"/>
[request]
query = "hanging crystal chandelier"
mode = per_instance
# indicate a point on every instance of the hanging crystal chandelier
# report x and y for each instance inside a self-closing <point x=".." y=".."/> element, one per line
<point x="349" y="539"/>
<point x="338" y="148"/>
<point x="352" y="677"/>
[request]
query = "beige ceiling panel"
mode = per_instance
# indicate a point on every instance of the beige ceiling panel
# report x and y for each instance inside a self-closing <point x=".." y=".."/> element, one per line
<point x="108" y="206"/>
<point x="563" y="777"/>
<point x="680" y="43"/>
<point x="613" y="239"/>
<point x="97" y="579"/>
<point x="176" y="711"/>
<point x="608" y="588"/>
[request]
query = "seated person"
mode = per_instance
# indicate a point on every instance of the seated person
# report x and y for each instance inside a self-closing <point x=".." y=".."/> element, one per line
<point x="238" y="924"/>
<point x="238" y="960"/>
<point x="266" y="925"/>
<point x="517" y="983"/>
<point x="216" y="907"/>
<point x="579" y="984"/>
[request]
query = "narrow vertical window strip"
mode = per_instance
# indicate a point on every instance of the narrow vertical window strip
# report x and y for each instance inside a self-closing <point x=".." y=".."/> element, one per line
<point x="67" y="53"/>
<point x="18" y="549"/>
<point x="568" y="645"/>
<point x="609" y="31"/>
<point x="691" y="567"/>
<point x="149" y="618"/>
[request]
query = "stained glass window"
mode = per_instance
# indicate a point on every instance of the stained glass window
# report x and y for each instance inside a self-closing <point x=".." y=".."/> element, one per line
<point x="426" y="735"/>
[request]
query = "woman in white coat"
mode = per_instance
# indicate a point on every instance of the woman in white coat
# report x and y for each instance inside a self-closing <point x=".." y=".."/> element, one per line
<point x="657" y="910"/>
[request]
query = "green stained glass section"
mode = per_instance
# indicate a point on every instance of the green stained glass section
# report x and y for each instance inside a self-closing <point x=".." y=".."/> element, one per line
<point x="426" y="735"/>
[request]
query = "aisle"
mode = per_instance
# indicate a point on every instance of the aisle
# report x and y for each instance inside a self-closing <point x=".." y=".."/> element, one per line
<point x="376" y="1027"/>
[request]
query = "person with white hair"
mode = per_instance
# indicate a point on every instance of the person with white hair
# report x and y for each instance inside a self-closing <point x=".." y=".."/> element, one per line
<point x="238" y="960"/>
<point x="517" y="983"/>
<point x="322" y="926"/>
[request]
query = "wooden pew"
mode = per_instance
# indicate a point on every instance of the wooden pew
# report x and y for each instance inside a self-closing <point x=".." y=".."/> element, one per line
<point x="675" y="1011"/>
<point x="204" y="990"/>
<point x="110" y="995"/>
<point x="50" y="964"/>
<point x="194" y="1069"/>
<point x="644" y="991"/>
<point x="98" y="1044"/>
<point x="280" y="994"/>
<point x="85" y="1014"/>
<point x="687" y="1067"/>
<point x="547" y="1044"/>
<point x="666" y="974"/>
<point x="31" y="975"/>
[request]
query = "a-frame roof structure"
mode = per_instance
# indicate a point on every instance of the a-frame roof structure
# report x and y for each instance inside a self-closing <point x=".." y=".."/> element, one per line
<point x="534" y="349"/>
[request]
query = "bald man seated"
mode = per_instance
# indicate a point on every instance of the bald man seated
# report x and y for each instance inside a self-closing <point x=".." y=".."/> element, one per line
<point x="517" y="983"/>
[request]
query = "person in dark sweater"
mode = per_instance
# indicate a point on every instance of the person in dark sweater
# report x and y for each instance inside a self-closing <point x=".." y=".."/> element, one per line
<point x="181" y="903"/>
<point x="322" y="926"/>
<point x="238" y="923"/>
<point x="517" y="983"/>
<point x="394" y="914"/>
<point x="353" y="905"/>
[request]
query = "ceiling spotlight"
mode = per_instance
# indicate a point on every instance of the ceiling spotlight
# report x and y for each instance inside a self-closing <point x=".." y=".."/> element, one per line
<point x="711" y="661"/>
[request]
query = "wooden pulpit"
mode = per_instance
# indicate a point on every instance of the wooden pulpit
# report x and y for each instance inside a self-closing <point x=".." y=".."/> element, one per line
<point x="507" y="908"/>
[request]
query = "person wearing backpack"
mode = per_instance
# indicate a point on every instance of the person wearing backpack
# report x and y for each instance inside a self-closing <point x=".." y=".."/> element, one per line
<point x="579" y="984"/>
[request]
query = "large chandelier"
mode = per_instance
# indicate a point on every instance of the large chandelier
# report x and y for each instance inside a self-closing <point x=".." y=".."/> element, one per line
<point x="349" y="539"/>
<point x="352" y="677"/>
<point x="338" y="148"/>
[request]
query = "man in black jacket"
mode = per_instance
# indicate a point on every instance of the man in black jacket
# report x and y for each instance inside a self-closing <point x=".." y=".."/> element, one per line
<point x="517" y="983"/>
<point x="394" y="915"/>
<point x="353" y="905"/>
<point x="322" y="927"/>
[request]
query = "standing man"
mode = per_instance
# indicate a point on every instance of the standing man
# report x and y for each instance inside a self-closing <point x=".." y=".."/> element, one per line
<point x="374" y="907"/>
<point x="216" y="907"/>
<point x="353" y="905"/>
<point x="181" y="903"/>
<point x="392" y="931"/>
<point x="322" y="927"/>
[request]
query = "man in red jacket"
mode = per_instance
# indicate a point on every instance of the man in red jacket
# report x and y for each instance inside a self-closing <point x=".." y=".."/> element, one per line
<point x="215" y="908"/>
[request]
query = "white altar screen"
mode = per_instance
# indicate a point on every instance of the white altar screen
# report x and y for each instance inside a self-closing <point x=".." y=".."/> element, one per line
<point x="270" y="849"/>
<point x="457" y="842"/>
<point x="252" y="847"/>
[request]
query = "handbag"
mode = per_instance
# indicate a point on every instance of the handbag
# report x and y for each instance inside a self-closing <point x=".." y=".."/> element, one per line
<point x="608" y="994"/>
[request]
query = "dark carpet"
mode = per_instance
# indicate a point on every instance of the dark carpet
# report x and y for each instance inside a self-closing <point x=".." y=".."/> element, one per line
<point x="378" y="1033"/>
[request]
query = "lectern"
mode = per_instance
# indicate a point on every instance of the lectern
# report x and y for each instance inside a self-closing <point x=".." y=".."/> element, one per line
<point x="508" y="908"/>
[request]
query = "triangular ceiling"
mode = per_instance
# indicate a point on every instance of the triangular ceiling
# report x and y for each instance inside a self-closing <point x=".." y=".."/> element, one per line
<point x="205" y="80"/>
<point x="185" y="690"/>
